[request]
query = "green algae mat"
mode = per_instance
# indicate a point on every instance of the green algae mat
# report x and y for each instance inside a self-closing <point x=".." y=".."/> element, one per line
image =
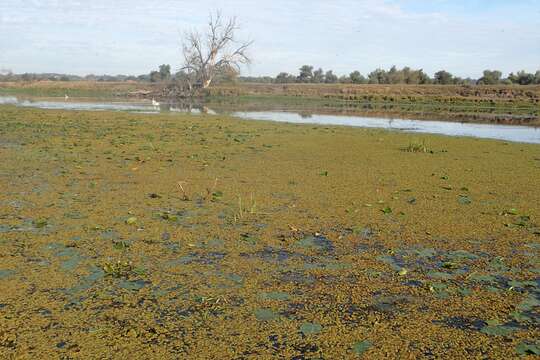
<point x="207" y="237"/>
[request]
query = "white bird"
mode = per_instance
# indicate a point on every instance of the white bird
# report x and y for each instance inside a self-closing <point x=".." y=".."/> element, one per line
<point x="66" y="97"/>
<point x="155" y="103"/>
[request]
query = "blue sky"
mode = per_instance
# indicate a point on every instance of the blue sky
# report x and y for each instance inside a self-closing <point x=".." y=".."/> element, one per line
<point x="135" y="36"/>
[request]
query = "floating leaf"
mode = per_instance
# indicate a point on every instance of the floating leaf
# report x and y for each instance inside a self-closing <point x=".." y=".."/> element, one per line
<point x="361" y="347"/>
<point x="310" y="328"/>
<point x="464" y="200"/>
<point x="132" y="220"/>
<point x="265" y="315"/>
<point x="275" y="295"/>
<point x="528" y="349"/>
<point x="387" y="210"/>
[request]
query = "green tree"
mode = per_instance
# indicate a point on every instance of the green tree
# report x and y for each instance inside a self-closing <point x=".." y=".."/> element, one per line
<point x="330" y="77"/>
<point x="165" y="72"/>
<point x="306" y="74"/>
<point x="377" y="76"/>
<point x="537" y="77"/>
<point x="491" y="77"/>
<point x="444" y="78"/>
<point x="524" y="78"/>
<point x="318" y="76"/>
<point x="155" y="76"/>
<point x="357" y="78"/>
<point x="284" y="78"/>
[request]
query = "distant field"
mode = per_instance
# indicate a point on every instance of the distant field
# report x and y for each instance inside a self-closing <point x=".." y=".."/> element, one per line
<point x="73" y="88"/>
<point x="495" y="104"/>
<point x="391" y="93"/>
<point x="411" y="93"/>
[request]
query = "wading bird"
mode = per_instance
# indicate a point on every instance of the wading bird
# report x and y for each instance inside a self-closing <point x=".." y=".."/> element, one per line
<point x="66" y="97"/>
<point x="155" y="103"/>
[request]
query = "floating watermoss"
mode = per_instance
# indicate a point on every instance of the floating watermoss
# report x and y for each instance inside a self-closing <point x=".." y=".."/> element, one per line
<point x="5" y="228"/>
<point x="121" y="245"/>
<point x="529" y="303"/>
<point x="528" y="349"/>
<point x="71" y="263"/>
<point x="498" y="330"/>
<point x="86" y="282"/>
<point x="71" y="256"/>
<point x="75" y="215"/>
<point x="365" y="233"/>
<point x="6" y="273"/>
<point x="440" y="290"/>
<point x="465" y="291"/>
<point x="523" y="285"/>
<point x="110" y="234"/>
<point x="275" y="295"/>
<point x="208" y="258"/>
<point x="463" y="323"/>
<point x="309" y="328"/>
<point x="40" y="223"/>
<point x="249" y="239"/>
<point x="498" y="264"/>
<point x="131" y="220"/>
<point x="265" y="315"/>
<point x="438" y="275"/>
<point x="395" y="262"/>
<point x="215" y="243"/>
<point x="361" y="347"/>
<point x="235" y="278"/>
<point x="458" y="255"/>
<point x="133" y="285"/>
<point x="317" y="242"/>
<point x="483" y="278"/>
<point x="464" y="200"/>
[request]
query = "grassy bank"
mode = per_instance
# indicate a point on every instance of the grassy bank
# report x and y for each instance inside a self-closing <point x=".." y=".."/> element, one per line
<point x="212" y="237"/>
<point x="73" y="88"/>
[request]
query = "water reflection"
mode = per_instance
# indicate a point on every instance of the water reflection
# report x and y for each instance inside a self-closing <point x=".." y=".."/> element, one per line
<point x="527" y="134"/>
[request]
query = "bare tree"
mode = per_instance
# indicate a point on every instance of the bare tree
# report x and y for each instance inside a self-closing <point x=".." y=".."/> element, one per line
<point x="213" y="53"/>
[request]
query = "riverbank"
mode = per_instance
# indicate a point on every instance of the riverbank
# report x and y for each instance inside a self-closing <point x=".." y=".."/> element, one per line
<point x="515" y="105"/>
<point x="216" y="237"/>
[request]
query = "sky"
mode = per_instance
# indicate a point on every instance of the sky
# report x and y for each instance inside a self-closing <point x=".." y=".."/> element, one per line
<point x="464" y="37"/>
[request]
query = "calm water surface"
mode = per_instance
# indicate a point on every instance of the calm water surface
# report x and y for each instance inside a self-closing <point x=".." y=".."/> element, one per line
<point x="526" y="134"/>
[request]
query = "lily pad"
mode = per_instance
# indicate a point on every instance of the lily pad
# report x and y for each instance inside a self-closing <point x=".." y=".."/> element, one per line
<point x="310" y="328"/>
<point x="528" y="349"/>
<point x="265" y="315"/>
<point x="275" y="295"/>
<point x="361" y="347"/>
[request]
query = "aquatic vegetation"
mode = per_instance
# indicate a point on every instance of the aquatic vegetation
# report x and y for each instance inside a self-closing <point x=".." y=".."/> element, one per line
<point x="119" y="269"/>
<point x="417" y="147"/>
<point x="274" y="259"/>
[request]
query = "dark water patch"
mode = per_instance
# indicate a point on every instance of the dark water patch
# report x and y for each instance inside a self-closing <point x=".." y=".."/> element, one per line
<point x="5" y="273"/>
<point x="265" y="315"/>
<point x="297" y="277"/>
<point x="133" y="285"/>
<point x="390" y="304"/>
<point x="274" y="255"/>
<point x="209" y="258"/>
<point x="462" y="323"/>
<point x="275" y="295"/>
<point x="70" y="257"/>
<point x="317" y="242"/>
<point x="309" y="328"/>
<point x="85" y="282"/>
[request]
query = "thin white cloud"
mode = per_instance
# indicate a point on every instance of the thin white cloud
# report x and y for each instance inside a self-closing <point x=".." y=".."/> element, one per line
<point x="134" y="36"/>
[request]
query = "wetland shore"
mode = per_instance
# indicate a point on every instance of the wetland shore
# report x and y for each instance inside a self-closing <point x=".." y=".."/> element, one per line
<point x="215" y="237"/>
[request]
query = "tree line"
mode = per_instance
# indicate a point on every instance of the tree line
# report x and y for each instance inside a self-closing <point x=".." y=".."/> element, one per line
<point x="308" y="74"/>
